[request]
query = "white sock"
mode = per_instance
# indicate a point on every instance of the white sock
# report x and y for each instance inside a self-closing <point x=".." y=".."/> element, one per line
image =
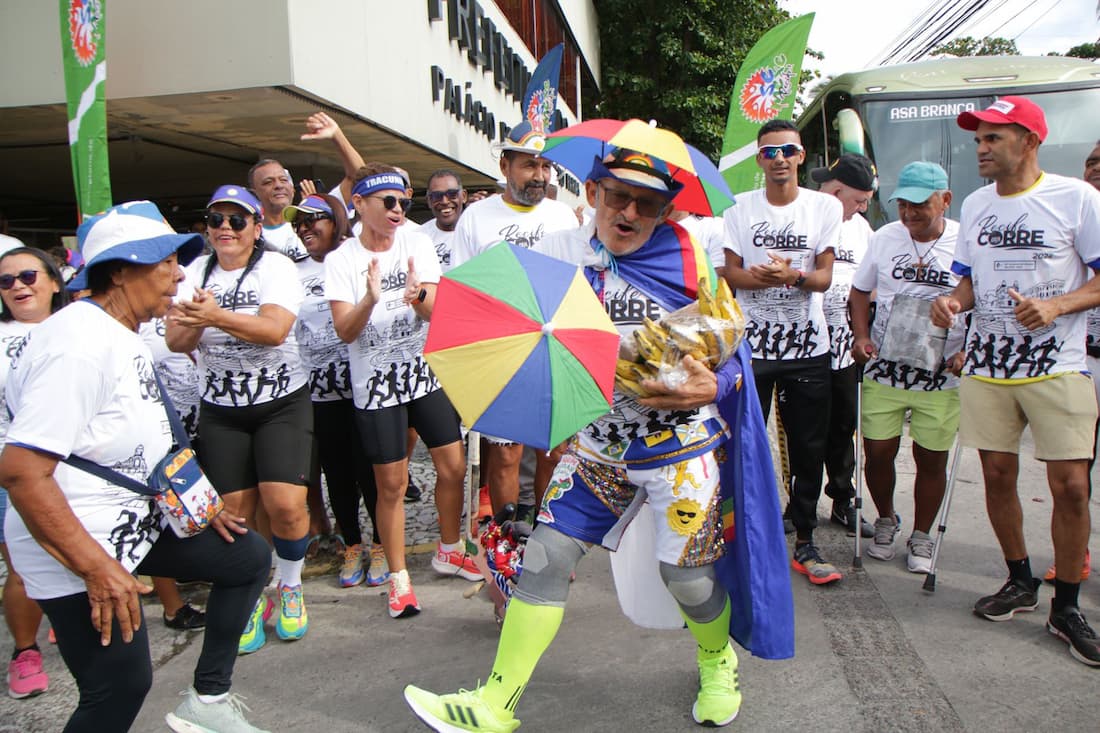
<point x="211" y="699"/>
<point x="450" y="546"/>
<point x="289" y="572"/>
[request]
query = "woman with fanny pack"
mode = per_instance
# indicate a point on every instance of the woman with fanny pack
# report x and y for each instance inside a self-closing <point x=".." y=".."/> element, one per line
<point x="83" y="387"/>
<point x="255" y="417"/>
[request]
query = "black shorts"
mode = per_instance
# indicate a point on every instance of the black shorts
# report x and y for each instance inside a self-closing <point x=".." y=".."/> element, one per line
<point x="384" y="431"/>
<point x="268" y="442"/>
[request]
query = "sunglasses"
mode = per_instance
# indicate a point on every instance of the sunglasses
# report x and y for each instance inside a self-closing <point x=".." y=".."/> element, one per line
<point x="452" y="194"/>
<point x="27" y="277"/>
<point x="236" y="222"/>
<point x="388" y="202"/>
<point x="647" y="206"/>
<point x="308" y="220"/>
<point x="771" y="152"/>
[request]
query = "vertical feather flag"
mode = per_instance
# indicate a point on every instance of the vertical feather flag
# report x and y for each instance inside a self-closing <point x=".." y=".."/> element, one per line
<point x="540" y="99"/>
<point x="83" y="51"/>
<point x="765" y="90"/>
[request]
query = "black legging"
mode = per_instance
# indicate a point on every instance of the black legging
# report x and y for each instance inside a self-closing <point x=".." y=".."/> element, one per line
<point x="347" y="472"/>
<point x="114" y="680"/>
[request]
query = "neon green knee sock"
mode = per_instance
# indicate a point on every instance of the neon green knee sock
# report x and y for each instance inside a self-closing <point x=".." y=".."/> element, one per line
<point x="527" y="632"/>
<point x="712" y="637"/>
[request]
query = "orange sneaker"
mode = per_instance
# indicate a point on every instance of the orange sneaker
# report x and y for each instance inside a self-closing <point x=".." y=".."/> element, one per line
<point x="402" y="600"/>
<point x="456" y="562"/>
<point x="484" y="505"/>
<point x="1086" y="569"/>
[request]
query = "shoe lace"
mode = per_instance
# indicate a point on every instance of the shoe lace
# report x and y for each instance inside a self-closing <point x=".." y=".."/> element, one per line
<point x="27" y="663"/>
<point x="884" y="531"/>
<point x="1077" y="624"/>
<point x="808" y="554"/>
<point x="921" y="547"/>
<point x="352" y="555"/>
<point x="716" y="678"/>
<point x="233" y="700"/>
<point x="292" y="600"/>
<point x="401" y="584"/>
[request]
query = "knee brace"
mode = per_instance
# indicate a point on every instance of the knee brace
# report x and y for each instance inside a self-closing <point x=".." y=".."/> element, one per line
<point x="548" y="560"/>
<point x="697" y="590"/>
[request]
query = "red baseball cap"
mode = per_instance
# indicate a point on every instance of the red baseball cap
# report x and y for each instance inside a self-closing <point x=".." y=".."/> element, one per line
<point x="1008" y="110"/>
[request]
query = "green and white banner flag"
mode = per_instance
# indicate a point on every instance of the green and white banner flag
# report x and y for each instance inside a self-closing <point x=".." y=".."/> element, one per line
<point x="83" y="51"/>
<point x="765" y="90"/>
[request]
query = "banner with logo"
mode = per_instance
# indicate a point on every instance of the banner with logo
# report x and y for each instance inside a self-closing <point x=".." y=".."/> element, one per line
<point x="83" y="51"/>
<point x="765" y="90"/>
<point x="540" y="99"/>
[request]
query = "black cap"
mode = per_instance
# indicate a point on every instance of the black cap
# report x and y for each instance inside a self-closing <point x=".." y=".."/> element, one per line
<point x="851" y="169"/>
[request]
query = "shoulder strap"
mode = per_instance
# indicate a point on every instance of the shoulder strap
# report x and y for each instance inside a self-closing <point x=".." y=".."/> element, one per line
<point x="179" y="433"/>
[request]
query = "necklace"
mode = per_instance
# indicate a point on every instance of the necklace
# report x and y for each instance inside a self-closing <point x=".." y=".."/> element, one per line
<point x="922" y="266"/>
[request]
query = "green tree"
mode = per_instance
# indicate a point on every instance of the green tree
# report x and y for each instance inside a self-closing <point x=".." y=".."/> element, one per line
<point x="968" y="46"/>
<point x="1085" y="51"/>
<point x="676" y="61"/>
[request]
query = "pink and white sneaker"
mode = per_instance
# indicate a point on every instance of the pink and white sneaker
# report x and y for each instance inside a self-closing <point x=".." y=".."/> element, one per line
<point x="25" y="675"/>
<point x="456" y="562"/>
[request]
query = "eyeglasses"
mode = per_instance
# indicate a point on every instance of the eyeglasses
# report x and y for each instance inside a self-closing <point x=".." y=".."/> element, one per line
<point x="452" y="194"/>
<point x="770" y="152"/>
<point x="388" y="202"/>
<point x="308" y="220"/>
<point x="236" y="222"/>
<point x="27" y="277"/>
<point x="647" y="206"/>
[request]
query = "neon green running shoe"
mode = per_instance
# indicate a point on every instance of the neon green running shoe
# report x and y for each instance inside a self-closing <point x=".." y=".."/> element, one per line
<point x="461" y="711"/>
<point x="253" y="638"/>
<point x="719" y="697"/>
<point x="293" y="622"/>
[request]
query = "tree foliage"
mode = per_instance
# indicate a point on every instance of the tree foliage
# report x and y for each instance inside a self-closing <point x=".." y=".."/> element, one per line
<point x="968" y="46"/>
<point x="676" y="61"/>
<point x="1085" y="51"/>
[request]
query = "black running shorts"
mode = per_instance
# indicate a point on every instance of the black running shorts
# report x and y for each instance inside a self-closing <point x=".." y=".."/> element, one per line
<point x="384" y="431"/>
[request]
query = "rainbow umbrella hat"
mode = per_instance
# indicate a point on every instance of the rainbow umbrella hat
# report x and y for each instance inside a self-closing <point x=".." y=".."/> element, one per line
<point x="522" y="346"/>
<point x="705" y="191"/>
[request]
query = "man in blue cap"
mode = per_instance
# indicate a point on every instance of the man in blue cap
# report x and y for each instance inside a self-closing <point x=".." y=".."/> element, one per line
<point x="908" y="258"/>
<point x="670" y="449"/>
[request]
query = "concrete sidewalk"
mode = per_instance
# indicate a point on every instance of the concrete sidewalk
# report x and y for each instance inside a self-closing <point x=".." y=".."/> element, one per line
<point x="874" y="652"/>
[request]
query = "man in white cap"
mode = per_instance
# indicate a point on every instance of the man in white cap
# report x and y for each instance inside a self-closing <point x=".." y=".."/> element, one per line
<point x="1026" y="245"/>
<point x="521" y="215"/>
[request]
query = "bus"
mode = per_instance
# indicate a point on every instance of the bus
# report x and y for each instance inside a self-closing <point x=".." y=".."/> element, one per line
<point x="898" y="114"/>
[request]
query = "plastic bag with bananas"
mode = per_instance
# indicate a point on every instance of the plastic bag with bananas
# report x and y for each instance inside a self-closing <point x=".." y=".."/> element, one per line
<point x="709" y="329"/>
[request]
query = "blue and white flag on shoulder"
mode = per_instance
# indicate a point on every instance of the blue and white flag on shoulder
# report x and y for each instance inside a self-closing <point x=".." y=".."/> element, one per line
<point x="540" y="100"/>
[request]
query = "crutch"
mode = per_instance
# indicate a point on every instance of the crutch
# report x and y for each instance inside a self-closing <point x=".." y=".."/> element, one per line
<point x="930" y="579"/>
<point x="857" y="559"/>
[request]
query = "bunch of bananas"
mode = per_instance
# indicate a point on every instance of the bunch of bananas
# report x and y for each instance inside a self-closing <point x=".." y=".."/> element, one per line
<point x="709" y="330"/>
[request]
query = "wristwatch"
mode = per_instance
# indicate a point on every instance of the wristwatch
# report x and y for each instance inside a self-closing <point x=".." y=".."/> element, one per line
<point x="424" y="294"/>
<point x="800" y="280"/>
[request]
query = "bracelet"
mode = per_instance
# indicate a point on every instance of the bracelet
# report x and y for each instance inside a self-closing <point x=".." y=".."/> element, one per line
<point x="799" y="281"/>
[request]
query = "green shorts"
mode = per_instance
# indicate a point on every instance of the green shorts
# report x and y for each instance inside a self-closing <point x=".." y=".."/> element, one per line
<point x="934" y="420"/>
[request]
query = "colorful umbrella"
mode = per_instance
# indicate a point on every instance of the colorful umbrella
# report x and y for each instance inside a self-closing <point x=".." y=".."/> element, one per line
<point x="522" y="346"/>
<point x="705" y="192"/>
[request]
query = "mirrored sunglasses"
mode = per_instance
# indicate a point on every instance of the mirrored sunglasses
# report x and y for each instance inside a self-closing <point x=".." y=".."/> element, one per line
<point x="236" y="222"/>
<point x="770" y="152"/>
<point x="27" y="277"/>
<point x="452" y="194"/>
<point x="388" y="202"/>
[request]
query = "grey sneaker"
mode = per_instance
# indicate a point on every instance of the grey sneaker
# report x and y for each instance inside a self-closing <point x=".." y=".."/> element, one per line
<point x="920" y="552"/>
<point x="195" y="716"/>
<point x="886" y="529"/>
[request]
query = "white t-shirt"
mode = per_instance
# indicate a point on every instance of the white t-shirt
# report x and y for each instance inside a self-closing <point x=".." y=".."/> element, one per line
<point x="486" y="222"/>
<point x="236" y="373"/>
<point x="177" y="372"/>
<point x="83" y="385"/>
<point x="710" y="232"/>
<point x="609" y="437"/>
<point x="12" y="334"/>
<point x="285" y="240"/>
<point x="1037" y="243"/>
<point x="782" y="322"/>
<point x="890" y="269"/>
<point x="850" y="251"/>
<point x="324" y="355"/>
<point x="387" y="358"/>
<point x="443" y="241"/>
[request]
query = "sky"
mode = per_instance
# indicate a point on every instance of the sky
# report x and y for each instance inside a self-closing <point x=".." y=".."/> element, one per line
<point x="853" y="33"/>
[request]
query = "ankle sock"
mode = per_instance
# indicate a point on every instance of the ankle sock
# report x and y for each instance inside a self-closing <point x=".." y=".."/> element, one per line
<point x="1020" y="570"/>
<point x="289" y="559"/>
<point x="1065" y="594"/>
<point x="449" y="546"/>
<point x="17" y="652"/>
<point x="211" y="699"/>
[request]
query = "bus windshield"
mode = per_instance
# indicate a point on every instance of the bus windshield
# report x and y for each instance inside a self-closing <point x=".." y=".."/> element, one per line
<point x="903" y="130"/>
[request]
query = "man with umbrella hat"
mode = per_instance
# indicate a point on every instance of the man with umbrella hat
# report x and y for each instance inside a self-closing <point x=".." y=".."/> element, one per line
<point x="670" y="449"/>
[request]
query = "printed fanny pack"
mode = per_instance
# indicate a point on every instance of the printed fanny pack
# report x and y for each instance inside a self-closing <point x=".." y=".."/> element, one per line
<point x="183" y="493"/>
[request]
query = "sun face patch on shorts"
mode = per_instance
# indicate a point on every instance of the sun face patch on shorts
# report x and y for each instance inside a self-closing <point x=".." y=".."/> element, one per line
<point x="685" y="517"/>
